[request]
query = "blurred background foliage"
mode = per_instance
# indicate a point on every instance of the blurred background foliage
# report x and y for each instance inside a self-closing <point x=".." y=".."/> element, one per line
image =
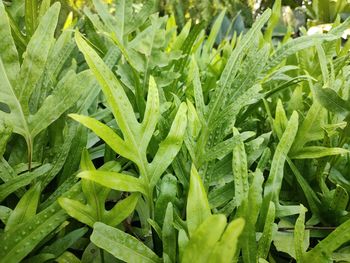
<point x="316" y="15"/>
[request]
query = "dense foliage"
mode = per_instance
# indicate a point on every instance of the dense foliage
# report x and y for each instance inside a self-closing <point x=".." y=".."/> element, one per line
<point x="125" y="137"/>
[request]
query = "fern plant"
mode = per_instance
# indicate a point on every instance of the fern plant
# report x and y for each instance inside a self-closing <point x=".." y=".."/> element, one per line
<point x="136" y="136"/>
<point x="151" y="142"/>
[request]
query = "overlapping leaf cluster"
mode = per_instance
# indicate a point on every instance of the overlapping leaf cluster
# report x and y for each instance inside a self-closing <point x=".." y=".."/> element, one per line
<point x="124" y="137"/>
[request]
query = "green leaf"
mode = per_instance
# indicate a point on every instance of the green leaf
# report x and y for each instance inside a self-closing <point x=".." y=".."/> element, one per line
<point x="169" y="234"/>
<point x="309" y="193"/>
<point x="281" y="120"/>
<point x="275" y="17"/>
<point x="329" y="99"/>
<point x="168" y="191"/>
<point x="74" y="138"/>
<point x="197" y="210"/>
<point x="44" y="6"/>
<point x="139" y="18"/>
<point x="240" y="170"/>
<point x="204" y="239"/>
<point x="67" y="257"/>
<point x="5" y="132"/>
<point x="124" y="14"/>
<point x="22" y="180"/>
<point x="40" y="258"/>
<point x="15" y="117"/>
<point x="132" y="147"/>
<point x="293" y="46"/>
<point x="323" y="62"/>
<point x="323" y="250"/>
<point x="31" y="16"/>
<point x="313" y="152"/>
<point x="20" y="241"/>
<point x="221" y="195"/>
<point x="198" y="91"/>
<point x="95" y="194"/>
<point x="121" y="245"/>
<point x="106" y="134"/>
<point x="121" y="210"/>
<point x="182" y="36"/>
<point x="114" y="180"/>
<point x="155" y="226"/>
<point x="16" y="94"/>
<point x="36" y="56"/>
<point x="58" y="247"/>
<point x="299" y="235"/>
<point x="221" y="149"/>
<point x="311" y="127"/>
<point x="182" y="242"/>
<point x="226" y="247"/>
<point x="208" y="45"/>
<point x="340" y="199"/>
<point x="8" y="51"/>
<point x="25" y="208"/>
<point x="5" y="212"/>
<point x="249" y="210"/>
<point x="274" y="182"/>
<point x="66" y="93"/>
<point x="77" y="210"/>
<point x="231" y="67"/>
<point x="169" y="148"/>
<point x="152" y="114"/>
<point x="113" y="90"/>
<point x="266" y="238"/>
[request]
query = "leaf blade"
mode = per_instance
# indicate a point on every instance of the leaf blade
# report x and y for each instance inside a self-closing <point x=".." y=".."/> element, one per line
<point x="122" y="245"/>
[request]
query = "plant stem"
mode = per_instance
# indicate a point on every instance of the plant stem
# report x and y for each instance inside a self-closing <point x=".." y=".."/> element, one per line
<point x="102" y="255"/>
<point x="30" y="152"/>
<point x="329" y="228"/>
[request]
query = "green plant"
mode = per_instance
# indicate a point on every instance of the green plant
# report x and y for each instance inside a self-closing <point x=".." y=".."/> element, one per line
<point x="195" y="151"/>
